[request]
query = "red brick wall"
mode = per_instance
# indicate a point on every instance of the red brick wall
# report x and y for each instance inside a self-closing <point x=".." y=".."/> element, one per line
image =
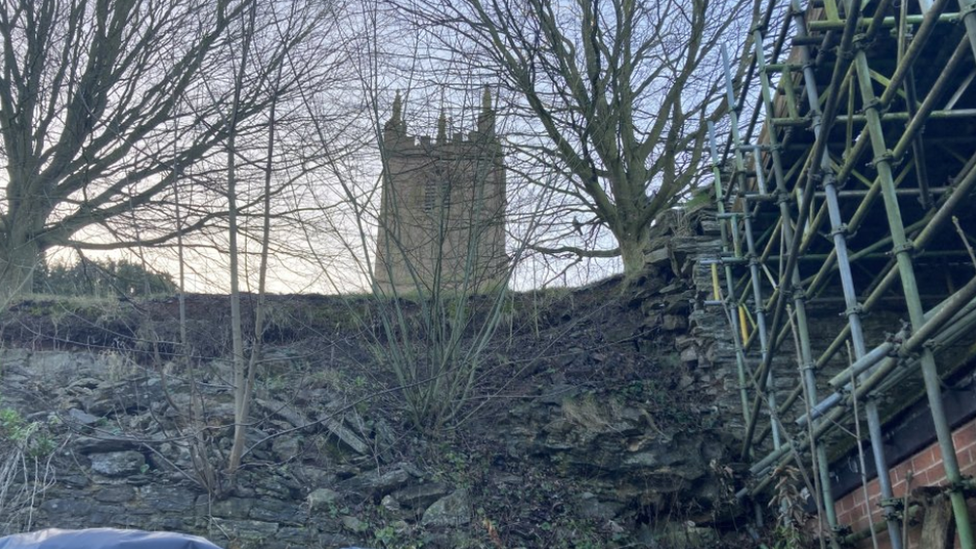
<point x="922" y="469"/>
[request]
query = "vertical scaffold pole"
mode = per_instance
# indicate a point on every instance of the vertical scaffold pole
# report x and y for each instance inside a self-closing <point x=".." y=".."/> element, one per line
<point x="906" y="270"/>
<point x="839" y="234"/>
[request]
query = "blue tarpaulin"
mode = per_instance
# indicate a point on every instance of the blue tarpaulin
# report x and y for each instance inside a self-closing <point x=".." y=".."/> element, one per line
<point x="103" y="538"/>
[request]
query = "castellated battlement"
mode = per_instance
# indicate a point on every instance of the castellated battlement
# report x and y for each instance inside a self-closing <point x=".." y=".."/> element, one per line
<point x="442" y="221"/>
<point x="426" y="144"/>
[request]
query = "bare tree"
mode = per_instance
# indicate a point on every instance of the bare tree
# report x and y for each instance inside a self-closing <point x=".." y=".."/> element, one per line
<point x="90" y="94"/>
<point x="242" y="386"/>
<point x="621" y="91"/>
<point x="269" y="60"/>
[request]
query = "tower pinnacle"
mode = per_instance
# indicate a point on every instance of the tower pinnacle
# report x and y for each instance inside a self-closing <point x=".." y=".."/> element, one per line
<point x="396" y="122"/>
<point x="486" y="119"/>
<point x="486" y="101"/>
<point x="442" y="127"/>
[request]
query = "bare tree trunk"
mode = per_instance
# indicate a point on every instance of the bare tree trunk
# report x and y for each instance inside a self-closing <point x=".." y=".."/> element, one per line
<point x="632" y="251"/>
<point x="19" y="258"/>
<point x="241" y="387"/>
<point x="181" y="259"/>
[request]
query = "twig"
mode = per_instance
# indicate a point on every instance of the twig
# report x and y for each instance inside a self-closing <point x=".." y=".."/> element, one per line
<point x="965" y="241"/>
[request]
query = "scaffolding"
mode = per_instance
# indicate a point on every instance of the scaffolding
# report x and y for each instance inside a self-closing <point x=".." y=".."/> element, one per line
<point x="859" y="100"/>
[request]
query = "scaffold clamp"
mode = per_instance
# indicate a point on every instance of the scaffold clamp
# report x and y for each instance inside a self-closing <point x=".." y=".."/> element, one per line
<point x="827" y="179"/>
<point x="842" y="529"/>
<point x="841" y="229"/>
<point x="894" y="508"/>
<point x="883" y="157"/>
<point x="907" y="247"/>
<point x="893" y="503"/>
<point x="782" y="197"/>
<point x="959" y="486"/>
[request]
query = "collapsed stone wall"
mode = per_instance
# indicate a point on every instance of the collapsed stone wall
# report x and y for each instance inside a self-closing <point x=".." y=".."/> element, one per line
<point x="604" y="458"/>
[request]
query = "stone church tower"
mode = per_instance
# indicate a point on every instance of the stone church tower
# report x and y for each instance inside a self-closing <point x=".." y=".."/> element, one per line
<point x="442" y="221"/>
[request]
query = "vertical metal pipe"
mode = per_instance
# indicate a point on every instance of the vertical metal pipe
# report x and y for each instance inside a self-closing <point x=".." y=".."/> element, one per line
<point x="734" y="119"/>
<point x="839" y="233"/>
<point x="906" y="270"/>
<point x="766" y="384"/>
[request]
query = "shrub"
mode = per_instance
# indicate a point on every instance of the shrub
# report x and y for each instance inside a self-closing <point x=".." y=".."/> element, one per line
<point x="102" y="278"/>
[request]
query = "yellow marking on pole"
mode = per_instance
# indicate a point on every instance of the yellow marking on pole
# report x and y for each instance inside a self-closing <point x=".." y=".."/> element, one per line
<point x="742" y="324"/>
<point x="715" y="288"/>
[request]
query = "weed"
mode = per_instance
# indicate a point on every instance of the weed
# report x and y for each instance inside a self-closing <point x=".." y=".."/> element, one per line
<point x="26" y="452"/>
<point x="275" y="383"/>
<point x="788" y="503"/>
<point x="327" y="378"/>
<point x="385" y="536"/>
<point x="32" y="437"/>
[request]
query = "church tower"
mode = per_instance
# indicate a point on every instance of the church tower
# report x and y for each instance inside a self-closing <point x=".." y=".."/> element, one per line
<point x="442" y="220"/>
